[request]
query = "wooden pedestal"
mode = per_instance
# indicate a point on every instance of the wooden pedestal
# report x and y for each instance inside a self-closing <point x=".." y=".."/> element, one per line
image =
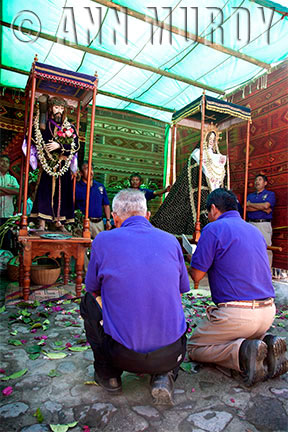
<point x="32" y="246"/>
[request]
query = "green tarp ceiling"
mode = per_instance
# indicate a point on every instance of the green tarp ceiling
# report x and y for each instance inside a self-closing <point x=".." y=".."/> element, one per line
<point x="160" y="54"/>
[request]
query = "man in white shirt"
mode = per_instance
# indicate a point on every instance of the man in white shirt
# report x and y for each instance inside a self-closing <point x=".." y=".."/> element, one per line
<point x="8" y="188"/>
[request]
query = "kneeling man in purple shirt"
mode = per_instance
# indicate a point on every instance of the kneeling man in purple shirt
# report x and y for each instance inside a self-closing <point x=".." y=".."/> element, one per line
<point x="233" y="253"/>
<point x="140" y="273"/>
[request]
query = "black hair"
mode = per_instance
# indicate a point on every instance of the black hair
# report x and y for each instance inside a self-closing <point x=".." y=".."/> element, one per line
<point x="263" y="176"/>
<point x="2" y="156"/>
<point x="223" y="199"/>
<point x="135" y="175"/>
<point x="85" y="162"/>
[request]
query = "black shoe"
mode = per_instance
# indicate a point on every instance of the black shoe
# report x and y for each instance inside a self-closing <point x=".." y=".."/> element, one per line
<point x="276" y="358"/>
<point x="162" y="389"/>
<point x="251" y="357"/>
<point x="110" y="384"/>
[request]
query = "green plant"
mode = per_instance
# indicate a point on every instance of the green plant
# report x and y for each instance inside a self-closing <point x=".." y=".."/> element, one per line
<point x="76" y="227"/>
<point x="12" y="223"/>
<point x="33" y="175"/>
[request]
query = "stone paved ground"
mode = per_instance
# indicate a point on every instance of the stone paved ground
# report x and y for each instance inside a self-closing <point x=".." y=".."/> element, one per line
<point x="62" y="389"/>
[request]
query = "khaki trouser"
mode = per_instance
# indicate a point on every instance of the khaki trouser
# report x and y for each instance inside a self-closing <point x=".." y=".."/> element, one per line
<point x="266" y="230"/>
<point x="95" y="228"/>
<point x="218" y="339"/>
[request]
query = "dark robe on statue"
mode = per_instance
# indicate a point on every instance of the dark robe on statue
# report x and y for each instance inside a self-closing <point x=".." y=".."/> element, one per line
<point x="178" y="213"/>
<point x="46" y="204"/>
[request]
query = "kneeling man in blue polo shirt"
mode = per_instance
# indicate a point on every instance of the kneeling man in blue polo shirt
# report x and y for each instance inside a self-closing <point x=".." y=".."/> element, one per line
<point x="233" y="253"/>
<point x="140" y="273"/>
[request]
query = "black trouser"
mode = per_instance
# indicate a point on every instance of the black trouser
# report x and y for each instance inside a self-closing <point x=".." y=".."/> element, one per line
<point x="111" y="358"/>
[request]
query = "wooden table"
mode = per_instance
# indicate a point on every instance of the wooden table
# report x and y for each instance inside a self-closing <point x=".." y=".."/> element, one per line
<point x="32" y="246"/>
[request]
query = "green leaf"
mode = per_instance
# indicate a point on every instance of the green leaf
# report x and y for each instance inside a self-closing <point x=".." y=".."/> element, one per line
<point x="36" y="303"/>
<point x="187" y="367"/>
<point x="58" y="343"/>
<point x="23" y="304"/>
<point x="14" y="332"/>
<point x="38" y="414"/>
<point x="73" y="311"/>
<point x="62" y="428"/>
<point x="26" y="313"/>
<point x="2" y="309"/>
<point x="43" y="314"/>
<point x="15" y="375"/>
<point x="14" y="342"/>
<point x="46" y="321"/>
<point x="78" y="348"/>
<point x="33" y="349"/>
<point x="68" y="323"/>
<point x="281" y="325"/>
<point x="34" y="356"/>
<point x="53" y="373"/>
<point x="55" y="356"/>
<point x="36" y="325"/>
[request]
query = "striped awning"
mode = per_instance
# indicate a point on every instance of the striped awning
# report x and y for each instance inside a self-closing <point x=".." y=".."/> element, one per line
<point x="63" y="82"/>
<point x="216" y="111"/>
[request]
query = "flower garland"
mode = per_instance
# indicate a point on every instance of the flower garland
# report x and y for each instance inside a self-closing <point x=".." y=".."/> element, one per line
<point x="52" y="165"/>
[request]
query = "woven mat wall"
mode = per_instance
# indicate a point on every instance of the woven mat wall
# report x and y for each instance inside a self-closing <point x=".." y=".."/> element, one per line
<point x="125" y="143"/>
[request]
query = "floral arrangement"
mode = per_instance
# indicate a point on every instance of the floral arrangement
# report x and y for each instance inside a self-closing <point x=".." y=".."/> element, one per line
<point x="65" y="136"/>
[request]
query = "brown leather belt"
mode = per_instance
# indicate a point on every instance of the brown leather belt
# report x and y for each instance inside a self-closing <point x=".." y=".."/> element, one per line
<point x="252" y="304"/>
<point x="96" y="220"/>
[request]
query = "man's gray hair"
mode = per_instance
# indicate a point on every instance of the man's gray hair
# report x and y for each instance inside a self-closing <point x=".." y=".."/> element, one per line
<point x="129" y="202"/>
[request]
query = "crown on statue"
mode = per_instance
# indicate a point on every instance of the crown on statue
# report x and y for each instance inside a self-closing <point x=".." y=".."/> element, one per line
<point x="211" y="127"/>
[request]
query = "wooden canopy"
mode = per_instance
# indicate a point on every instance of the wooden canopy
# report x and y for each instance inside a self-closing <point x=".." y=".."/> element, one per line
<point x="197" y="114"/>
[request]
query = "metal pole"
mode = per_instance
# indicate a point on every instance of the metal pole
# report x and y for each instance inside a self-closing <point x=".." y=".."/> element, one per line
<point x="86" y="223"/>
<point x="246" y="169"/>
<point x="23" y="230"/>
<point x="197" y="231"/>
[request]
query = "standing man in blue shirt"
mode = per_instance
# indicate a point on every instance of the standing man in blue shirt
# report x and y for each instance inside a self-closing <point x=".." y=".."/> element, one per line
<point x="98" y="202"/>
<point x="260" y="206"/>
<point x="140" y="273"/>
<point x="233" y="253"/>
<point x="135" y="183"/>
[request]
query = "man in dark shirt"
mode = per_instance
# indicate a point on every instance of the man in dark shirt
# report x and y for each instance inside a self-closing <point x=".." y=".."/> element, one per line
<point x="140" y="273"/>
<point x="260" y="206"/>
<point x="98" y="201"/>
<point x="233" y="253"/>
<point x="135" y="183"/>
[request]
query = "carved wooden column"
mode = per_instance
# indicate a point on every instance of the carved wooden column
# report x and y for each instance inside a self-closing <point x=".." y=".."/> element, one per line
<point x="27" y="259"/>
<point x="66" y="268"/>
<point x="21" y="270"/>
